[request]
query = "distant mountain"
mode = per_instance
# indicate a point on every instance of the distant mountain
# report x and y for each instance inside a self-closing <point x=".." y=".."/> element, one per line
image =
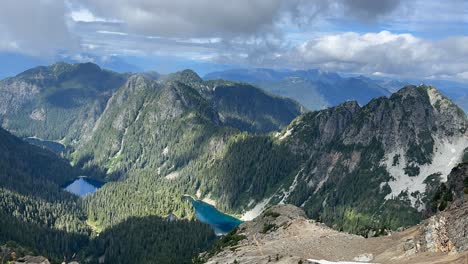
<point x="15" y="63"/>
<point x="113" y="63"/>
<point x="57" y="102"/>
<point x="314" y="89"/>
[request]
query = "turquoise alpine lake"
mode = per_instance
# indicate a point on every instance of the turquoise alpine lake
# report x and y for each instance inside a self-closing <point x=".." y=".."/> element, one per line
<point x="220" y="222"/>
<point x="83" y="186"/>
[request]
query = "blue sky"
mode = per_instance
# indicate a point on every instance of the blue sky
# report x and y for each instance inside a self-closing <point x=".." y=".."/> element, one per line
<point x="395" y="38"/>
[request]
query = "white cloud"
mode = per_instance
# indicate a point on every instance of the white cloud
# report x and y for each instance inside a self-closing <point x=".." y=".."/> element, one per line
<point x="384" y="52"/>
<point x="213" y="18"/>
<point x="463" y="75"/>
<point x="266" y="33"/>
<point x="84" y="15"/>
<point x="112" y="32"/>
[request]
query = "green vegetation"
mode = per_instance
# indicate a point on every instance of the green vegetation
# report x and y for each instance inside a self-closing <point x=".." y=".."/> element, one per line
<point x="230" y="240"/>
<point x="267" y="227"/>
<point x="148" y="132"/>
<point x="412" y="170"/>
<point x="270" y="213"/>
<point x="151" y="240"/>
<point x="155" y="141"/>
<point x="135" y="197"/>
<point x="36" y="214"/>
<point x="465" y="183"/>
<point x="34" y="211"/>
<point x="251" y="167"/>
<point x="68" y="97"/>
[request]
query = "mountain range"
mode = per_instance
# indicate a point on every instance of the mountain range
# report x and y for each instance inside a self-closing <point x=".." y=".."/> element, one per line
<point x="317" y="89"/>
<point x="364" y="167"/>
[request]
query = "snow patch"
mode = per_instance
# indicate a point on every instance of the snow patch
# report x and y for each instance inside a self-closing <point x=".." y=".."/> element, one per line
<point x="172" y="175"/>
<point x="321" y="183"/>
<point x="291" y="188"/>
<point x="322" y="261"/>
<point x="165" y="151"/>
<point x="364" y="257"/>
<point x="286" y="134"/>
<point x="447" y="154"/>
<point x="256" y="211"/>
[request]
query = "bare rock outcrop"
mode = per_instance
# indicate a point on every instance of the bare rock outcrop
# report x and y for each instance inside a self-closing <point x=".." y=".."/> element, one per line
<point x="283" y="234"/>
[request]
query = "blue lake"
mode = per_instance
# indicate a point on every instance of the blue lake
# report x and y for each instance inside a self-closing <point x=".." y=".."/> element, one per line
<point x="83" y="186"/>
<point x="220" y="222"/>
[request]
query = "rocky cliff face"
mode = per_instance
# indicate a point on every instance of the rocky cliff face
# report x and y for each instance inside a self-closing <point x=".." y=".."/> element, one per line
<point x="447" y="231"/>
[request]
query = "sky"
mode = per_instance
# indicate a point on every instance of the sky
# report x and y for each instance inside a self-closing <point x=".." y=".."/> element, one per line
<point x="390" y="38"/>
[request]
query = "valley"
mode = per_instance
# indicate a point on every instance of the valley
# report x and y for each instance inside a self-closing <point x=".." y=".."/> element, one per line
<point x="149" y="143"/>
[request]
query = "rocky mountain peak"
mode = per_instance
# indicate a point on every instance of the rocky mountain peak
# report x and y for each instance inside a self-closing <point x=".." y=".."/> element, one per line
<point x="186" y="76"/>
<point x="410" y="90"/>
<point x="321" y="127"/>
<point x="137" y="80"/>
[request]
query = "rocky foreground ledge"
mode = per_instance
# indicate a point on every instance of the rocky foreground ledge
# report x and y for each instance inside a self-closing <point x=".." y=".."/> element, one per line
<point x="283" y="234"/>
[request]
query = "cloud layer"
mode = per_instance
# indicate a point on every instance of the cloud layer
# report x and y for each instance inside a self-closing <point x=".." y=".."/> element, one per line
<point x="208" y="18"/>
<point x="385" y="53"/>
<point x="421" y="38"/>
<point x="35" y="27"/>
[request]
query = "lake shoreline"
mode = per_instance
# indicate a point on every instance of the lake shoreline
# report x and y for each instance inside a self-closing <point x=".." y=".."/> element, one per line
<point x="220" y="222"/>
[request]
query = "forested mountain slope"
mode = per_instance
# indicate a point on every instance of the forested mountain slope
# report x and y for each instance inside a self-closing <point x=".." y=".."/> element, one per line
<point x="34" y="211"/>
<point x="57" y="102"/>
<point x="62" y="102"/>
<point x="242" y="105"/>
<point x="38" y="217"/>
<point x="355" y="168"/>
<point x="361" y="169"/>
<point x="156" y="134"/>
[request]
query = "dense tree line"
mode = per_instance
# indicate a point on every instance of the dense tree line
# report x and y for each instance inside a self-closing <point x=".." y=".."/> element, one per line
<point x="153" y="240"/>
<point x="39" y="216"/>
<point x="137" y="196"/>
